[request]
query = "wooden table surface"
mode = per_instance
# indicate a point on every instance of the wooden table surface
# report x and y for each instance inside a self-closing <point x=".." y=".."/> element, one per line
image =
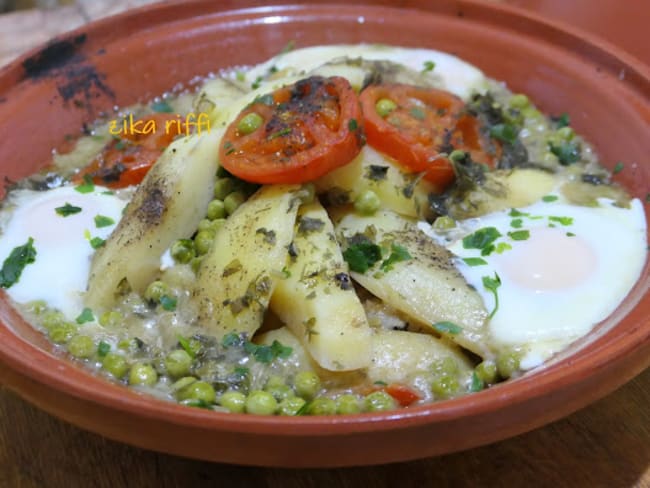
<point x="604" y="445"/>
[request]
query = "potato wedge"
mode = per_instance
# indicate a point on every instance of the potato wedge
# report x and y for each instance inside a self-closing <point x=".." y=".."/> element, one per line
<point x="398" y="190"/>
<point x="316" y="299"/>
<point x="168" y="205"/>
<point x="238" y="275"/>
<point x="425" y="285"/>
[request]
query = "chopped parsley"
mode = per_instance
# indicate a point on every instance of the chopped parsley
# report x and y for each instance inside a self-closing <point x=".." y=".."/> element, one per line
<point x="570" y="234"/>
<point x="67" y="210"/>
<point x="561" y="220"/>
<point x="477" y="383"/>
<point x="504" y="132"/>
<point x="562" y="120"/>
<point x="482" y="239"/>
<point x="87" y="186"/>
<point x="261" y="353"/>
<point x="256" y="84"/>
<point x="13" y="266"/>
<point x="185" y="344"/>
<point x="85" y="316"/>
<point x="168" y="303"/>
<point x="519" y="235"/>
<point x="96" y="242"/>
<point x="475" y="261"/>
<point x="492" y="284"/>
<point x="447" y="328"/>
<point x="618" y="168"/>
<point x="428" y="66"/>
<point x="103" y="349"/>
<point x="398" y="254"/>
<point x="417" y="113"/>
<point x="516" y="213"/>
<point x="161" y="106"/>
<point x="353" y="125"/>
<point x="103" y="221"/>
<point x="362" y="256"/>
<point x="516" y="223"/>
<point x="566" y="152"/>
<point x="502" y="246"/>
<point x="282" y="132"/>
<point x="549" y="198"/>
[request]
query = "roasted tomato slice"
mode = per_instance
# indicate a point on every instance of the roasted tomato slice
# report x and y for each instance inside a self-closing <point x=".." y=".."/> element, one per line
<point x="295" y="134"/>
<point x="415" y="125"/>
<point x="126" y="160"/>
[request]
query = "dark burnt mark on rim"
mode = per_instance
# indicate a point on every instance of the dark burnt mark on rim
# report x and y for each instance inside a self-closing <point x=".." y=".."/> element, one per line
<point x="78" y="81"/>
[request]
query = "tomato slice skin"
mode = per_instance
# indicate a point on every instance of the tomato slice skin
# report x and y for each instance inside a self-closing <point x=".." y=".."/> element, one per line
<point x="308" y="129"/>
<point x="404" y="395"/>
<point x="424" y="123"/>
<point x="126" y="160"/>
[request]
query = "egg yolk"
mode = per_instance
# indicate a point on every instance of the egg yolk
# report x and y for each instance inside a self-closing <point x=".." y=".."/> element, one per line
<point x="549" y="260"/>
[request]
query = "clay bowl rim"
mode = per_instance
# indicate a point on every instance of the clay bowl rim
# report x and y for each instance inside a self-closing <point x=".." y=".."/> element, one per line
<point x="42" y="366"/>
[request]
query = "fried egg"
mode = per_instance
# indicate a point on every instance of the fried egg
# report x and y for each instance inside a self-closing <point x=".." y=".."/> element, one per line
<point x="63" y="240"/>
<point x="550" y="271"/>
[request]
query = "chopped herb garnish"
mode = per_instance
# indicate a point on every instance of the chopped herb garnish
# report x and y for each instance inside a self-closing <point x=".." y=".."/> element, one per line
<point x="353" y="125"/>
<point x="197" y="403"/>
<point x="482" y="239"/>
<point x="477" y="383"/>
<point x="85" y="316"/>
<point x="647" y="198"/>
<point x="502" y="247"/>
<point x="618" y="168"/>
<point x="362" y="256"/>
<point x="256" y="84"/>
<point x="448" y="328"/>
<point x="570" y="234"/>
<point x="519" y="235"/>
<point x="417" y="113"/>
<point x="185" y="344"/>
<point x="103" y="348"/>
<point x="13" y="266"/>
<point x="168" y="303"/>
<point x="228" y="146"/>
<point x="120" y="145"/>
<point x="549" y="198"/>
<point x="397" y="254"/>
<point x="232" y="339"/>
<point x="516" y="223"/>
<point x="567" y="152"/>
<point x="504" y="133"/>
<point x="516" y="213"/>
<point x="289" y="46"/>
<point x="67" y="210"/>
<point x="428" y="66"/>
<point x="561" y="220"/>
<point x="161" y="106"/>
<point x="286" y="273"/>
<point x="380" y="383"/>
<point x="103" y="221"/>
<point x="562" y="120"/>
<point x="240" y="76"/>
<point x="266" y="354"/>
<point x="492" y="284"/>
<point x="96" y="242"/>
<point x="474" y="261"/>
<point x="87" y="186"/>
<point x="282" y="132"/>
<point x="266" y="99"/>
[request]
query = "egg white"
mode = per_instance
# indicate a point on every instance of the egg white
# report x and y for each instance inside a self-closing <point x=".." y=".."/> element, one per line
<point x="63" y="251"/>
<point x="568" y="275"/>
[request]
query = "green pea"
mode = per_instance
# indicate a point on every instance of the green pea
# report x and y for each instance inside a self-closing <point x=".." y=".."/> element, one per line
<point x="52" y="318"/>
<point x="81" y="346"/>
<point x="379" y="401"/>
<point x="306" y="384"/>
<point x="143" y="374"/>
<point x="216" y="210"/>
<point x="322" y="406"/>
<point x="508" y="363"/>
<point x="196" y="263"/>
<point x="156" y="290"/>
<point x="223" y="187"/>
<point x="348" y="404"/>
<point x="204" y="225"/>
<point x="197" y="390"/>
<point x="444" y="222"/>
<point x="110" y="319"/>
<point x="178" y="362"/>
<point x="444" y="386"/>
<point x="128" y="345"/>
<point x="291" y="406"/>
<point x="519" y="101"/>
<point x="203" y="241"/>
<point x="566" y="133"/>
<point x="261" y="403"/>
<point x="274" y="380"/>
<point x="234" y="401"/>
<point x="457" y="155"/>
<point x="37" y="307"/>
<point x="486" y="371"/>
<point x="280" y="392"/>
<point x="367" y="203"/>
<point x="183" y="382"/>
<point x="531" y="113"/>
<point x="445" y="366"/>
<point x="183" y="251"/>
<point x="233" y="201"/>
<point x="115" y="364"/>
<point x="61" y="334"/>
<point x="384" y="106"/>
<point x="249" y="123"/>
